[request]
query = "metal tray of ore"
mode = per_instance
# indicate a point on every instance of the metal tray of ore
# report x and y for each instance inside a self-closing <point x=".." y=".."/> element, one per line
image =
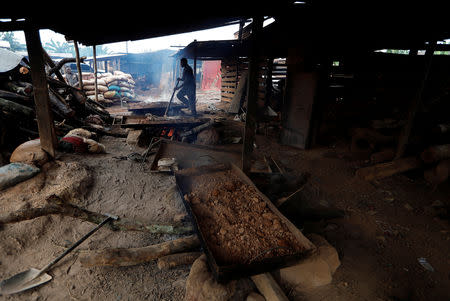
<point x="185" y="180"/>
<point x="193" y="155"/>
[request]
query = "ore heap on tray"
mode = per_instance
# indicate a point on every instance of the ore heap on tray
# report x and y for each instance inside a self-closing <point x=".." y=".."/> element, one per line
<point x="238" y="226"/>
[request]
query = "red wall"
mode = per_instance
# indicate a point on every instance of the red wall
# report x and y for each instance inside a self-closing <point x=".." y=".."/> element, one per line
<point x="211" y="75"/>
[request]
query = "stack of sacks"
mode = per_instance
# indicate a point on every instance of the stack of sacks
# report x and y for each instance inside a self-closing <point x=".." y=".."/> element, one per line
<point x="89" y="86"/>
<point x="120" y="86"/>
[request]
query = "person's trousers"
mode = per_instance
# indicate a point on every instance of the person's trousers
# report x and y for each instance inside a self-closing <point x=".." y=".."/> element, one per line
<point x="187" y="96"/>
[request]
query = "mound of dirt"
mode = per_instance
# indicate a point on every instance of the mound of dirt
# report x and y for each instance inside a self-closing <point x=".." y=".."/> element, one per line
<point x="67" y="180"/>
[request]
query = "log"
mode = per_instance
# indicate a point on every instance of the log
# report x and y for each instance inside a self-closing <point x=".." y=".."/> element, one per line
<point x="439" y="174"/>
<point x="175" y="260"/>
<point x="15" y="108"/>
<point x="19" y="87"/>
<point x="56" y="205"/>
<point x="363" y="138"/>
<point x="382" y="156"/>
<point x="134" y="256"/>
<point x="436" y="153"/>
<point x="61" y="63"/>
<point x="51" y="64"/>
<point x="269" y="288"/>
<point x="59" y="105"/>
<point x="384" y="170"/>
<point x="197" y="128"/>
<point x="15" y="96"/>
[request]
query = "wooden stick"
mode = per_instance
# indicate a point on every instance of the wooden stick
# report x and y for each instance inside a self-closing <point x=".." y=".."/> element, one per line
<point x="56" y="205"/>
<point x="269" y="288"/>
<point x="388" y="169"/>
<point x="134" y="256"/>
<point x="174" y="260"/>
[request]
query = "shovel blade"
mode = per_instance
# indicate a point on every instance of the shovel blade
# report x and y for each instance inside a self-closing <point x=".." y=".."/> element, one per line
<point x="23" y="281"/>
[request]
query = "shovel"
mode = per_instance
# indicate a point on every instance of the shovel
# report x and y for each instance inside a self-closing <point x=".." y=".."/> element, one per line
<point x="34" y="277"/>
<point x="171" y="98"/>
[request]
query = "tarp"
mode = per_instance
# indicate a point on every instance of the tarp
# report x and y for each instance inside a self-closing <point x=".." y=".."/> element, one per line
<point x="9" y="60"/>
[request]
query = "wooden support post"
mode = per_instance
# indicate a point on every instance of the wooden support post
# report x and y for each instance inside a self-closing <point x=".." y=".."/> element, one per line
<point x="43" y="113"/>
<point x="195" y="72"/>
<point x="77" y="57"/>
<point x="252" y="96"/>
<point x="95" y="72"/>
<point x="269" y="81"/>
<point x="406" y="131"/>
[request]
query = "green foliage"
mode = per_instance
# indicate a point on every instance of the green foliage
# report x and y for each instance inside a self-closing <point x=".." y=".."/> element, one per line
<point x="58" y="47"/>
<point x="64" y="47"/>
<point x="13" y="42"/>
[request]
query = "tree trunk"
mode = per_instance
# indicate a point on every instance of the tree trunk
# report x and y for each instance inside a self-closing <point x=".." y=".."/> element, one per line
<point x="134" y="256"/>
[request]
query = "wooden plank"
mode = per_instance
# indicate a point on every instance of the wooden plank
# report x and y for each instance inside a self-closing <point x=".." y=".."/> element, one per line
<point x="236" y="101"/>
<point x="228" y="90"/>
<point x="43" y="112"/>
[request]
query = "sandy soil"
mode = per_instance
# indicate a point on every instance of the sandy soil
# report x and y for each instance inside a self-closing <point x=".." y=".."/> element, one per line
<point x="114" y="186"/>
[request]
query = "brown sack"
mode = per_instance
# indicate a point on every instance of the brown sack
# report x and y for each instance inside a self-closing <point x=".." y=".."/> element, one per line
<point x="30" y="152"/>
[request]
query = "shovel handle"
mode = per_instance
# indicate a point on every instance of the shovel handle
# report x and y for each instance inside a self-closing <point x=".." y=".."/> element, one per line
<point x="57" y="259"/>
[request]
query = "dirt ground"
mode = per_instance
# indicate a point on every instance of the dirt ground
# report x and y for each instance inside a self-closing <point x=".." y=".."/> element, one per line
<point x="388" y="224"/>
<point x="113" y="186"/>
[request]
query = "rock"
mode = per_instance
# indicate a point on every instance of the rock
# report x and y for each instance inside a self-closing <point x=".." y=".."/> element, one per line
<point x="134" y="137"/>
<point x="208" y="137"/>
<point x="311" y="273"/>
<point x="201" y="285"/>
<point x="326" y="251"/>
<point x="314" y="271"/>
<point x="31" y="153"/>
<point x="255" y="297"/>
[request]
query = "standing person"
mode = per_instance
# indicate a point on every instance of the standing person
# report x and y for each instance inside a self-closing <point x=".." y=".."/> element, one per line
<point x="188" y="87"/>
<point x="71" y="78"/>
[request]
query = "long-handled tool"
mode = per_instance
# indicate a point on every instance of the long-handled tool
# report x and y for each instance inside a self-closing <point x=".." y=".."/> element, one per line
<point x="34" y="277"/>
<point x="171" y="98"/>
